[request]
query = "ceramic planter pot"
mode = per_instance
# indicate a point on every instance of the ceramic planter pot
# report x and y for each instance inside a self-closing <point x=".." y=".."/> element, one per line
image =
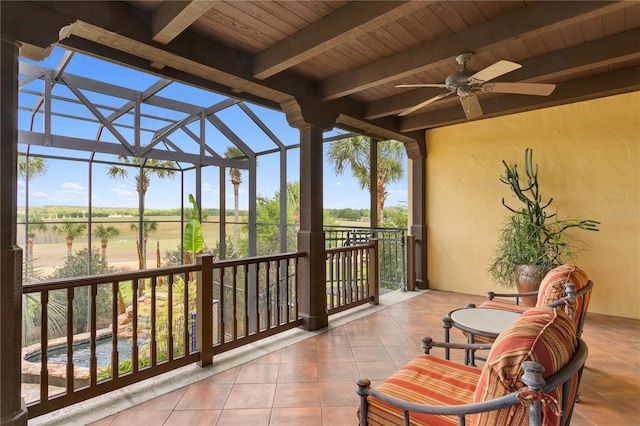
<point x="528" y="279"/>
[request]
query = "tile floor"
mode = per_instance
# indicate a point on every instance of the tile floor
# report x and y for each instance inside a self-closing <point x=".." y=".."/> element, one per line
<point x="312" y="382"/>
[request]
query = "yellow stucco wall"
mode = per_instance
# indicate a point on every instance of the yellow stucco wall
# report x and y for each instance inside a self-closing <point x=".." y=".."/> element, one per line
<point x="589" y="161"/>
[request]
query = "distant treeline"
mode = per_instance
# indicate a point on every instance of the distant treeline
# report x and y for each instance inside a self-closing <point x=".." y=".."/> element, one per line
<point x="72" y="212"/>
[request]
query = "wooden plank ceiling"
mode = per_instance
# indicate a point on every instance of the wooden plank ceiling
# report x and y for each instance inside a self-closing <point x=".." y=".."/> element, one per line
<point x="349" y="56"/>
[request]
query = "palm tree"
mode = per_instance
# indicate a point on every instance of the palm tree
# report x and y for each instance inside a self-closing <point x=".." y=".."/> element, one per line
<point x="147" y="167"/>
<point x="70" y="230"/>
<point x="293" y="200"/>
<point x="354" y="153"/>
<point x="149" y="226"/>
<point x="236" y="179"/>
<point x="105" y="233"/>
<point x="34" y="225"/>
<point x="35" y="167"/>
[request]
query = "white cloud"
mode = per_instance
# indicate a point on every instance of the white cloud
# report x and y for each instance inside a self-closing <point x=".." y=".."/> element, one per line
<point x="338" y="183"/>
<point x="38" y="194"/>
<point x="72" y="186"/>
<point x="399" y="192"/>
<point x="121" y="191"/>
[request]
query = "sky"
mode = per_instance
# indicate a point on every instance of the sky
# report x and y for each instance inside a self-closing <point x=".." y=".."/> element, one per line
<point x="67" y="182"/>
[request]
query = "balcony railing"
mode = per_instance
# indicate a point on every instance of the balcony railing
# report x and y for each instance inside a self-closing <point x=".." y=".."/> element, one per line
<point x="395" y="251"/>
<point x="352" y="276"/>
<point x="149" y="322"/>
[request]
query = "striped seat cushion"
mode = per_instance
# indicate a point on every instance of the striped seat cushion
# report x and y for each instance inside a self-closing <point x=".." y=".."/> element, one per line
<point x="552" y="288"/>
<point x="505" y="305"/>
<point x="541" y="334"/>
<point x="425" y="380"/>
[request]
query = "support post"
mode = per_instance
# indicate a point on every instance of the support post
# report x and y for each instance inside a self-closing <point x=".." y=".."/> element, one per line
<point x="312" y="297"/>
<point x="411" y="262"/>
<point x="416" y="152"/>
<point x="374" y="273"/>
<point x="373" y="184"/>
<point x="312" y="119"/>
<point x="204" y="310"/>
<point x="12" y="407"/>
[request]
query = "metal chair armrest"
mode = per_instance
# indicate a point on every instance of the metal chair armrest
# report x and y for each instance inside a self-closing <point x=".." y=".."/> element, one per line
<point x="428" y="343"/>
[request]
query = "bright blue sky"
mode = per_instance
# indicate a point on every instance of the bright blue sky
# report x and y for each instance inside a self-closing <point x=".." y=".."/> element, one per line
<point x="66" y="182"/>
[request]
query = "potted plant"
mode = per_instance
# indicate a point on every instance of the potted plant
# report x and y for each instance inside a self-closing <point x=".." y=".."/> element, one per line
<point x="532" y="240"/>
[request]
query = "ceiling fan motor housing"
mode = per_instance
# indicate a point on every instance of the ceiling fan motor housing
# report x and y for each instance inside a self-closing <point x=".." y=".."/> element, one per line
<point x="464" y="91"/>
<point x="459" y="78"/>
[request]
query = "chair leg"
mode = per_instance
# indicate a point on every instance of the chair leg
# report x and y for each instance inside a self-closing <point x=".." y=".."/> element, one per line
<point x="470" y="354"/>
<point x="447" y="323"/>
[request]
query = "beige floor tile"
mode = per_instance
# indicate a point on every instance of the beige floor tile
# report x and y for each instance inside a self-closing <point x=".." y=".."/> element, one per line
<point x="313" y="382"/>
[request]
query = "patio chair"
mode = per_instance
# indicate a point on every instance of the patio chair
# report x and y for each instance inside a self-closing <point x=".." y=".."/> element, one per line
<point x="565" y="286"/>
<point x="530" y="377"/>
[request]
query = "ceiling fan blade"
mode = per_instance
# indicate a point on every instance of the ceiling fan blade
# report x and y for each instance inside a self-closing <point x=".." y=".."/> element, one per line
<point x="423" y="104"/>
<point x="540" y="89"/>
<point x="443" y="86"/>
<point x="495" y="70"/>
<point x="471" y="106"/>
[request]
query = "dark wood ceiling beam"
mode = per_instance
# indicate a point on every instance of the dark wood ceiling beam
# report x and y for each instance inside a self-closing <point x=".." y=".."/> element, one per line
<point x="346" y="23"/>
<point x="613" y="49"/>
<point x="38" y="32"/>
<point x="616" y="48"/>
<point x="395" y="104"/>
<point x="100" y="50"/>
<point x="173" y="17"/>
<point x="525" y="22"/>
<point x="351" y="117"/>
<point x="119" y="26"/>
<point x="592" y="87"/>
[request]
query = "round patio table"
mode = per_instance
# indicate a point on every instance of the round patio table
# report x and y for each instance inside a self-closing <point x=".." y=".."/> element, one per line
<point x="485" y="322"/>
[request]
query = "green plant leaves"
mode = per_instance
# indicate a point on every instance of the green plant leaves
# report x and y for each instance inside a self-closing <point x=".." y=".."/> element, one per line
<point x="193" y="239"/>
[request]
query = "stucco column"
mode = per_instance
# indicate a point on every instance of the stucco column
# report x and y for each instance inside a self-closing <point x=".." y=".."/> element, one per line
<point x="12" y="408"/>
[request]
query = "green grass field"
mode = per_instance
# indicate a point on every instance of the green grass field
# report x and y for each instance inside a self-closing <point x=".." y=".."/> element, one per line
<point x="50" y="250"/>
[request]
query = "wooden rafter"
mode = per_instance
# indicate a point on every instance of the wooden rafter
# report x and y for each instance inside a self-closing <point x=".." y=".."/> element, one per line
<point x="173" y="17"/>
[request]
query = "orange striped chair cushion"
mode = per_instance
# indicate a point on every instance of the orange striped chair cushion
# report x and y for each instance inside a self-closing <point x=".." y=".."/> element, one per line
<point x="505" y="305"/>
<point x="425" y="380"/>
<point x="541" y="334"/>
<point x="552" y="287"/>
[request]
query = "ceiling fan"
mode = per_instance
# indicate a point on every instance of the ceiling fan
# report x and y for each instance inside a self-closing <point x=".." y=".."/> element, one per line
<point x="465" y="82"/>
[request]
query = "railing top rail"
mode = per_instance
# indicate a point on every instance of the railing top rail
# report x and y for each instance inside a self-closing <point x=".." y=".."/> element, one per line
<point x="359" y="228"/>
<point x="63" y="283"/>
<point x="257" y="259"/>
<point x="343" y="249"/>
